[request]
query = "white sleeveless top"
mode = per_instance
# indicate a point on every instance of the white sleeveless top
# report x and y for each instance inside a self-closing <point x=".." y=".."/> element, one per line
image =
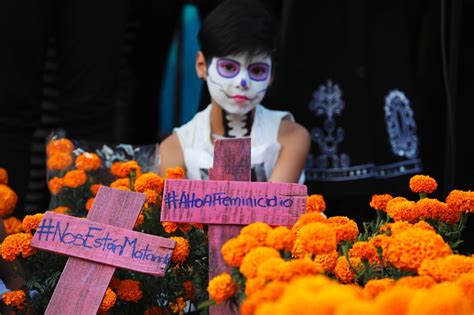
<point x="198" y="150"/>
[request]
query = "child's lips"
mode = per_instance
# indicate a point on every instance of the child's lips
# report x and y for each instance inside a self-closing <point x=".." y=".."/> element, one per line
<point x="240" y="98"/>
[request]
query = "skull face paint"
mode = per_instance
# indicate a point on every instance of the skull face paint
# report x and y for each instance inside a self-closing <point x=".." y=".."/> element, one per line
<point x="238" y="83"/>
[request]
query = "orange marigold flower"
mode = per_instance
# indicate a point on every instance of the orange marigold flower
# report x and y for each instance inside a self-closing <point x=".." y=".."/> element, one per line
<point x="58" y="146"/>
<point x="108" y="301"/>
<point x="462" y="201"/>
<point x="175" y="173"/>
<point x="149" y="181"/>
<point x="17" y="244"/>
<point x="121" y="183"/>
<point x="59" y="161"/>
<point x="61" y="209"/>
<point x="315" y="203"/>
<point x="55" y="184"/>
<point x="235" y="249"/>
<point x="466" y="283"/>
<point x="409" y="248"/>
<point x="140" y="220"/>
<point x="185" y="227"/>
<point x="178" y="306"/>
<point x="446" y="299"/>
<point x="89" y="203"/>
<point x="8" y="200"/>
<point x="315" y="238"/>
<point x="151" y="196"/>
<point x="189" y="291"/>
<point x="12" y="225"/>
<point x="327" y="261"/>
<point x="423" y="184"/>
<point x="344" y="272"/>
<point x="389" y="302"/>
<point x="88" y="162"/>
<point x="306" y="218"/>
<point x="254" y="258"/>
<point x="434" y="209"/>
<point x="402" y="210"/>
<point x="253" y="285"/>
<point x="258" y="231"/>
<point x="123" y="169"/>
<point x="170" y="227"/>
<point x="74" y="179"/>
<point x="447" y="268"/>
<point x="270" y="269"/>
<point x="346" y="229"/>
<point x="280" y="238"/>
<point x="129" y="291"/>
<point x="365" y="251"/>
<point x="298" y="267"/>
<point x="181" y="251"/>
<point x="3" y="176"/>
<point x="416" y="282"/>
<point x="95" y="188"/>
<point x="198" y="226"/>
<point x="379" y="202"/>
<point x="31" y="222"/>
<point x="374" y="286"/>
<point x="15" y="299"/>
<point x="222" y="287"/>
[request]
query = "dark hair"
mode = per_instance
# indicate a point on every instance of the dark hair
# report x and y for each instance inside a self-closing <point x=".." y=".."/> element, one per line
<point x="238" y="26"/>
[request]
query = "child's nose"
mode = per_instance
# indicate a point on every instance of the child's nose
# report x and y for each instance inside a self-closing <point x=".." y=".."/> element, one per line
<point x="243" y="81"/>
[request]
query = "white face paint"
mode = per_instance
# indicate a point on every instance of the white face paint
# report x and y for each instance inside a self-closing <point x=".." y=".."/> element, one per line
<point x="238" y="83"/>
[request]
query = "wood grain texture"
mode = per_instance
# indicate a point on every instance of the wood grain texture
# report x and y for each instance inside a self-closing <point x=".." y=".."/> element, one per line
<point x="226" y="202"/>
<point x="82" y="284"/>
<point x="102" y="243"/>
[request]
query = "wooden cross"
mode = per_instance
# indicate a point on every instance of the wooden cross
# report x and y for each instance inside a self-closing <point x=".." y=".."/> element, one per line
<point x="98" y="244"/>
<point x="229" y="200"/>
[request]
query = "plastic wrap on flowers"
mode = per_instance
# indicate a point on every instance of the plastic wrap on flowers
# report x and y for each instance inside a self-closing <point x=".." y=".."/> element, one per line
<point x="76" y="168"/>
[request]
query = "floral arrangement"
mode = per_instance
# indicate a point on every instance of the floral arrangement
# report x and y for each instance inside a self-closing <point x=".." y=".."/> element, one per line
<point x="404" y="262"/>
<point x="74" y="177"/>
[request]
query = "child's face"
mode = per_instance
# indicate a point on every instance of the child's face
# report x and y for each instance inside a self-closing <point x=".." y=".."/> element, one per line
<point x="238" y="83"/>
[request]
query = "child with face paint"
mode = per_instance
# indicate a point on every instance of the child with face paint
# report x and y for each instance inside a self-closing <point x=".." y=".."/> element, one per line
<point x="238" y="40"/>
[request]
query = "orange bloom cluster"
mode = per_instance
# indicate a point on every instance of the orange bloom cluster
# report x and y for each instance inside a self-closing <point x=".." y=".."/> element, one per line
<point x="175" y="173"/>
<point x="3" y="176"/>
<point x="447" y="268"/>
<point x="401" y="209"/>
<point x="123" y="169"/>
<point x="306" y="219"/>
<point x="59" y="161"/>
<point x="222" y="287"/>
<point x="88" y="162"/>
<point x="343" y="270"/>
<point x="423" y="184"/>
<point x="55" y="184"/>
<point x="409" y="248"/>
<point x="346" y="229"/>
<point x="269" y="270"/>
<point x="365" y="251"/>
<point x="8" y="200"/>
<point x="258" y="231"/>
<point x="74" y="179"/>
<point x="315" y="203"/>
<point x="280" y="238"/>
<point x="375" y="286"/>
<point x="416" y="282"/>
<point x="327" y="261"/>
<point x="108" y="301"/>
<point x="121" y="183"/>
<point x="234" y="250"/>
<point x="379" y="202"/>
<point x="181" y="251"/>
<point x="61" y="209"/>
<point x="462" y="201"/>
<point x="140" y="220"/>
<point x="31" y="222"/>
<point x="95" y="188"/>
<point x="315" y="238"/>
<point x="12" y="225"/>
<point x="254" y="258"/>
<point x="297" y="268"/>
<point x="129" y="290"/>
<point x="89" y="203"/>
<point x="151" y="184"/>
<point x="170" y="227"/>
<point x="15" y="299"/>
<point x="15" y="245"/>
<point x="59" y="146"/>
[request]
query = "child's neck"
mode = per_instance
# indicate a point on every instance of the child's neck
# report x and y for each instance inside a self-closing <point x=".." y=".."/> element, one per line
<point x="228" y="125"/>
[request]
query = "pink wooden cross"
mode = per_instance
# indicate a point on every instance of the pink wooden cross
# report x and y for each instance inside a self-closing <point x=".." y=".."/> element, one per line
<point x="99" y="244"/>
<point x="229" y="200"/>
